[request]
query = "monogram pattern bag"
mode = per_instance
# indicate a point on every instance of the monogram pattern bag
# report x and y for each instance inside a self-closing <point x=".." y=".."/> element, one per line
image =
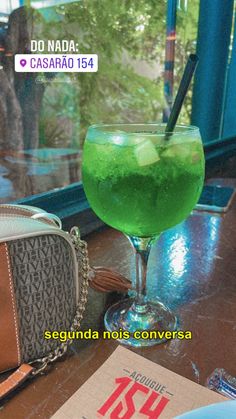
<point x="44" y="275"/>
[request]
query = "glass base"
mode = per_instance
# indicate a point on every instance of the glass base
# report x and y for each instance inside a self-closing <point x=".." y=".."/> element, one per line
<point x="126" y="316"/>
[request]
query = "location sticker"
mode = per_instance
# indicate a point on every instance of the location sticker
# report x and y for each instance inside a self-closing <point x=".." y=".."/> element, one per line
<point x="55" y="63"/>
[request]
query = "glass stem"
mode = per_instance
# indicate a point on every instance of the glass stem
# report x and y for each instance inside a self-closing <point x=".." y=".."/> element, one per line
<point x="142" y="247"/>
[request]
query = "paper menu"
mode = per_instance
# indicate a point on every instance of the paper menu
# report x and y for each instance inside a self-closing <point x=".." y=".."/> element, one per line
<point x="130" y="386"/>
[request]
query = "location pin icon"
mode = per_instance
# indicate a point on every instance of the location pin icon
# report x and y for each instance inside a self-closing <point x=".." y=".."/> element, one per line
<point x="22" y="62"/>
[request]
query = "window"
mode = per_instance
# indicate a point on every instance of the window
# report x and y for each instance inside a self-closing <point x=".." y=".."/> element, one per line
<point x="45" y="116"/>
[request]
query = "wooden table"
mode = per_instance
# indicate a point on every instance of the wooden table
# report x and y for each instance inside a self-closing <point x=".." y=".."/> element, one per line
<point x="193" y="270"/>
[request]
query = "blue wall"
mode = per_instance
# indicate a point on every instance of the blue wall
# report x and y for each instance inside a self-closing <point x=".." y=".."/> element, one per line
<point x="215" y="22"/>
<point x="229" y="120"/>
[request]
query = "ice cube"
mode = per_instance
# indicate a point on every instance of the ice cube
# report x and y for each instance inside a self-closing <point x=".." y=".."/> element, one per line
<point x="118" y="139"/>
<point x="178" y="151"/>
<point x="181" y="139"/>
<point x="122" y="138"/>
<point x="139" y="138"/>
<point x="146" y="153"/>
<point x="133" y="140"/>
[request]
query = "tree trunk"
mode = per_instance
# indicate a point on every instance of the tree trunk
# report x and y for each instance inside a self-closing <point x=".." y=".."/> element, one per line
<point x="11" y="130"/>
<point x="22" y="28"/>
<point x="20" y="103"/>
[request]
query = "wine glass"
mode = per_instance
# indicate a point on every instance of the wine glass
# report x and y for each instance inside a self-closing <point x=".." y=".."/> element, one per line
<point x="142" y="182"/>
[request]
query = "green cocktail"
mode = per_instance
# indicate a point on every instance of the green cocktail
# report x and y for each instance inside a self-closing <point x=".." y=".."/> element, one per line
<point x="141" y="183"/>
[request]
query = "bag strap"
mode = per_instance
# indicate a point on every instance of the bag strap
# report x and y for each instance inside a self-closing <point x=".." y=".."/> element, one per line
<point x="15" y="380"/>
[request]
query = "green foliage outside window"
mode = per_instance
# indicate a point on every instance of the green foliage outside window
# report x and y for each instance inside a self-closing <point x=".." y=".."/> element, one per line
<point x="116" y="93"/>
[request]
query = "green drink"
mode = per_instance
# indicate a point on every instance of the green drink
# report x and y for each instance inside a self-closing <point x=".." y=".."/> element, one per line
<point x="143" y="184"/>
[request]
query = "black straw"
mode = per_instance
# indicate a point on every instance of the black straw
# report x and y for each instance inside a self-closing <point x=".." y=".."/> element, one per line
<point x="183" y="88"/>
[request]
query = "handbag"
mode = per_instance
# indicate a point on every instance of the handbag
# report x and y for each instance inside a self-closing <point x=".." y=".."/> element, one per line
<point x="43" y="286"/>
<point x="44" y="279"/>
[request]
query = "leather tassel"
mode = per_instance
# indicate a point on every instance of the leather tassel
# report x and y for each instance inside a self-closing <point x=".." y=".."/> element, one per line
<point x="106" y="280"/>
